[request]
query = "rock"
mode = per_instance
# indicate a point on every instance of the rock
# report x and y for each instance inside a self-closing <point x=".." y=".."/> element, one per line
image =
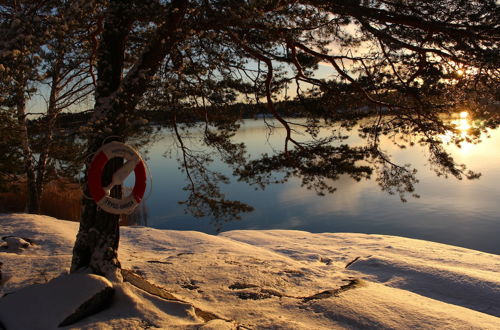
<point x="94" y="305"/>
<point x="15" y="243"/>
<point x="62" y="301"/>
<point x="245" y="295"/>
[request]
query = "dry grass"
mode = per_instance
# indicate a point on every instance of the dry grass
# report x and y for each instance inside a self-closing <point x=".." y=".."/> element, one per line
<point x="14" y="200"/>
<point x="60" y="199"/>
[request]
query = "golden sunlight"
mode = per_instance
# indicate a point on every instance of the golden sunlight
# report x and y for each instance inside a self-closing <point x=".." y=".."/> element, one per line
<point x="462" y="124"/>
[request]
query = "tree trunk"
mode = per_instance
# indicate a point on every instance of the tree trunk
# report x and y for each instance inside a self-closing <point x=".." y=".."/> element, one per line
<point x="96" y="246"/>
<point x="52" y="113"/>
<point x="33" y="201"/>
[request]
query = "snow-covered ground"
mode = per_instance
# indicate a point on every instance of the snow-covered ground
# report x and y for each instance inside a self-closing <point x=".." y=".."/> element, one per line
<point x="271" y="279"/>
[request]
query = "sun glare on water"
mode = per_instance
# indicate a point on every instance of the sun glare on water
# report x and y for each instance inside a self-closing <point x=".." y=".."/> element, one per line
<point x="463" y="125"/>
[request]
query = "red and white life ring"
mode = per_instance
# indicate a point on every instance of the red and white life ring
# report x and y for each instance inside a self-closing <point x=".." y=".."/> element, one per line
<point x="100" y="194"/>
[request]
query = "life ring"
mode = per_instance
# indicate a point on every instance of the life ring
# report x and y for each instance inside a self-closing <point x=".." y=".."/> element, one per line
<point x="100" y="194"/>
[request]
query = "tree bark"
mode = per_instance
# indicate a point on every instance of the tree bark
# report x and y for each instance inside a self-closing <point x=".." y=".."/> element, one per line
<point x="33" y="201"/>
<point x="96" y="245"/>
<point x="52" y="113"/>
<point x="97" y="241"/>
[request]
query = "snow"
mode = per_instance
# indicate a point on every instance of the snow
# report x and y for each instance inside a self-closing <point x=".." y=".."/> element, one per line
<point x="271" y="279"/>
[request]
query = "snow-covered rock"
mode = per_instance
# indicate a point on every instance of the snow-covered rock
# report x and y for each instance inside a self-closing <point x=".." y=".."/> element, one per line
<point x="273" y="279"/>
<point x="15" y="244"/>
<point x="62" y="301"/>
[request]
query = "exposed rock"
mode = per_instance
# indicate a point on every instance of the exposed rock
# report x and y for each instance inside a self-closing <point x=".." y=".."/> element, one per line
<point x="62" y="301"/>
<point x="245" y="295"/>
<point x="95" y="304"/>
<point x="353" y="283"/>
<point x="239" y="286"/>
<point x="144" y="285"/>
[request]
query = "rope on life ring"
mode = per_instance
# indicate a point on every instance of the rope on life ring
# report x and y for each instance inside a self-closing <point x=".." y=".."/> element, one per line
<point x="100" y="194"/>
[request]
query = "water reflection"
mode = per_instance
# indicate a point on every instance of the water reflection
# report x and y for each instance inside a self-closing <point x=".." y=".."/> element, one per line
<point x="354" y="175"/>
<point x="463" y="124"/>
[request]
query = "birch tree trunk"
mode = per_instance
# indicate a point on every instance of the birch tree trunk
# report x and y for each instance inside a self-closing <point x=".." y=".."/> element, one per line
<point x="52" y="113"/>
<point x="33" y="201"/>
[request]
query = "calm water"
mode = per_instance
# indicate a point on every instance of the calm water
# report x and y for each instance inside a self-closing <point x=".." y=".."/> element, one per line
<point x="458" y="212"/>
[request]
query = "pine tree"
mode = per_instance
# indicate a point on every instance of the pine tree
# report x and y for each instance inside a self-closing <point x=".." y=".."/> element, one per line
<point x="401" y="58"/>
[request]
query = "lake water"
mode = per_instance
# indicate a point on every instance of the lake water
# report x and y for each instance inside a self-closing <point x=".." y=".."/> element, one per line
<point x="459" y="212"/>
